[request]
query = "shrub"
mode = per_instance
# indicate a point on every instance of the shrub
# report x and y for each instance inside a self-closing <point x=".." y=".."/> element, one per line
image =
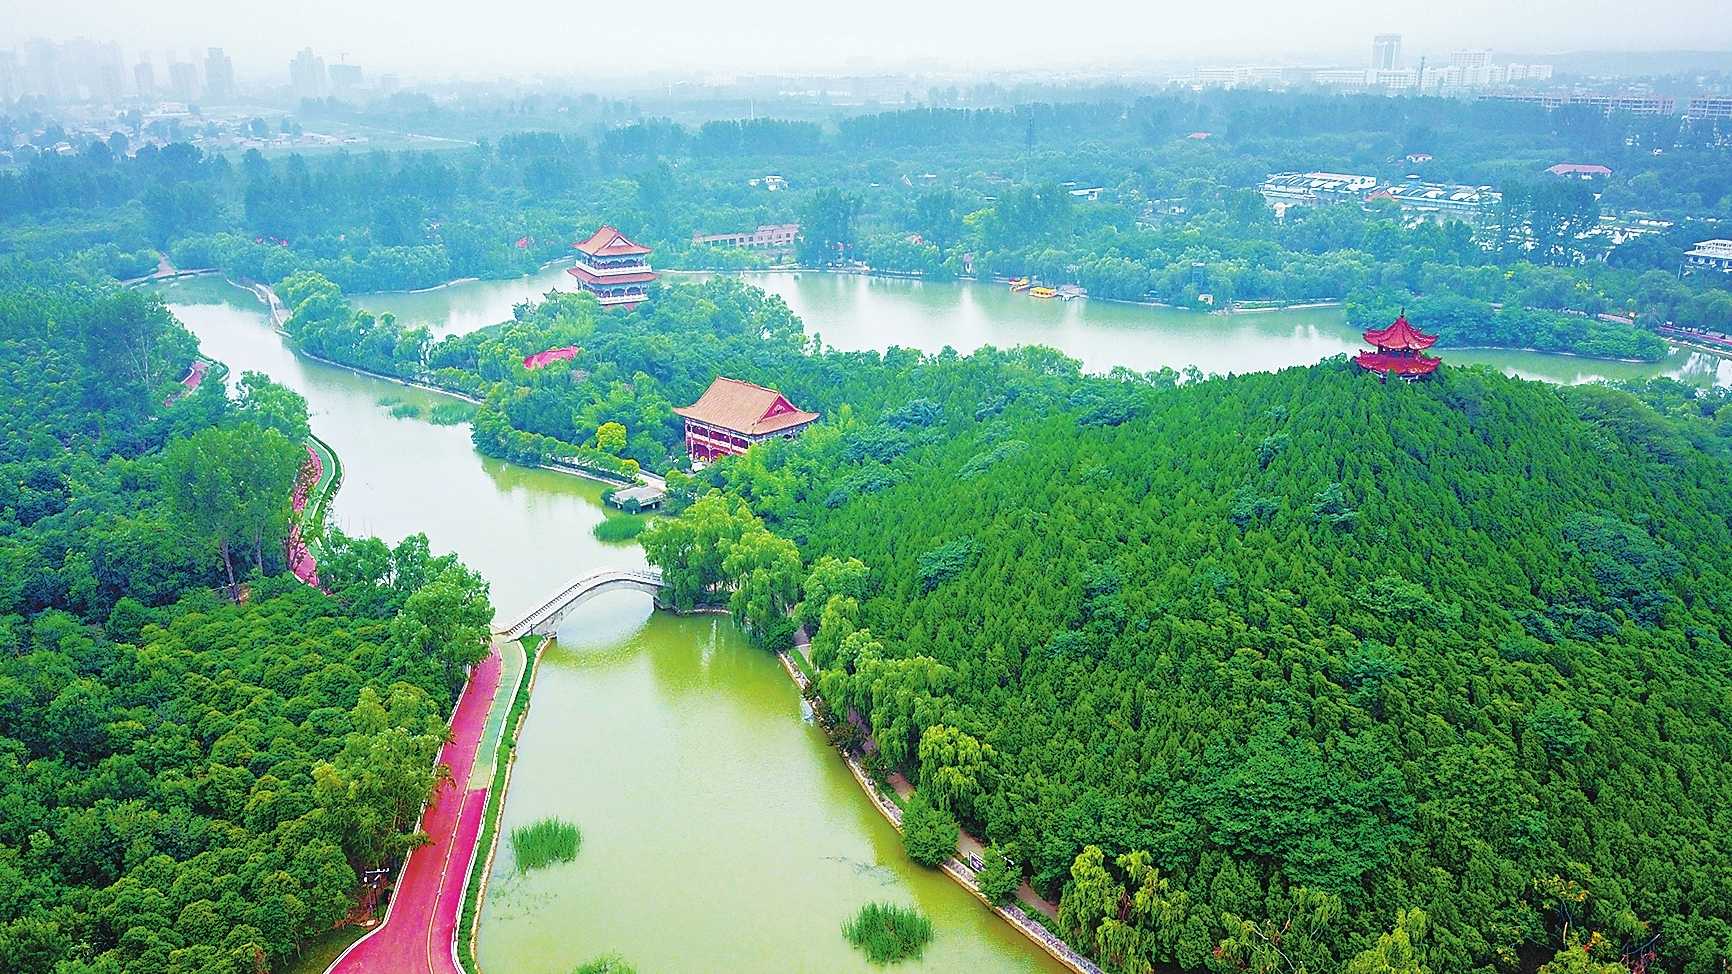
<point x="618" y="528"/>
<point x="543" y="843"/>
<point x="998" y="877"/>
<point x="929" y="833"/>
<point x="451" y="413"/>
<point x="887" y="933"/>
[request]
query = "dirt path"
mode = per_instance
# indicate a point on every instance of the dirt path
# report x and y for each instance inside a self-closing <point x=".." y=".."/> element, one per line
<point x="416" y="937"/>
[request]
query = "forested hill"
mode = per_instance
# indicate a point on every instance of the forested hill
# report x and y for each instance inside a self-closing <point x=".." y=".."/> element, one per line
<point x="1324" y="648"/>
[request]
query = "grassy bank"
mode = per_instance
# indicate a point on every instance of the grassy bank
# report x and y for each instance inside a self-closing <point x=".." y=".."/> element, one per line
<point x="330" y="478"/>
<point x="619" y="529"/>
<point x="319" y="952"/>
<point x="489" y="837"/>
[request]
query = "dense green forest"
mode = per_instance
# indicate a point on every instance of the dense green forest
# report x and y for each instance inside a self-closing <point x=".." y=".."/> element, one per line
<point x="942" y="192"/>
<point x="1273" y="672"/>
<point x="1298" y="660"/>
<point x="191" y="781"/>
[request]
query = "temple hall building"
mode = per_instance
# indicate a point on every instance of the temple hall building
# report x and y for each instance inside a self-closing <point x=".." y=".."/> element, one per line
<point x="613" y="268"/>
<point x="732" y="415"/>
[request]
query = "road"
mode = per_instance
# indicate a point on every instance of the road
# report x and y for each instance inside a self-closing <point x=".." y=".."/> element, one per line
<point x="422" y="920"/>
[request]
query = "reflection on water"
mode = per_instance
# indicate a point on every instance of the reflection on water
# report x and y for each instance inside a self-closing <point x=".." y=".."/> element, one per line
<point x="1683" y="364"/>
<point x="720" y="833"/>
<point x="525" y="530"/>
<point x="854" y="312"/>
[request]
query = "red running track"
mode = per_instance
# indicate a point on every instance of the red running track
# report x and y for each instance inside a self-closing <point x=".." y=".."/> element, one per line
<point x="417" y="933"/>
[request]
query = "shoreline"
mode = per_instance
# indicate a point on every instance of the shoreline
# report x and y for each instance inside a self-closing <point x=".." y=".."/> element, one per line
<point x="265" y="293"/>
<point x="460" y="792"/>
<point x="480" y="873"/>
<point x="1541" y="351"/>
<point x="1717" y="352"/>
<point x="747" y="273"/>
<point x="1043" y="938"/>
<point x="321" y="505"/>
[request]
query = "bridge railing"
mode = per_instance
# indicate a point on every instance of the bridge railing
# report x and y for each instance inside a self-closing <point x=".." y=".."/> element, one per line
<point x="578" y="588"/>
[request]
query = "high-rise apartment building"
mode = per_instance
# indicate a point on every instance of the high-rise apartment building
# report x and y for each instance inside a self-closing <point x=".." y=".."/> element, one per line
<point x="345" y="78"/>
<point x="183" y="81"/>
<point x="44" y="70"/>
<point x="1385" y="52"/>
<point x="219" y="76"/>
<point x="144" y="79"/>
<point x="11" y="80"/>
<point x="307" y="74"/>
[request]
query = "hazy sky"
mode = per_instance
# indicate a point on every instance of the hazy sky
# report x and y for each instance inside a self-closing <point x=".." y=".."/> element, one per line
<point x="522" y="37"/>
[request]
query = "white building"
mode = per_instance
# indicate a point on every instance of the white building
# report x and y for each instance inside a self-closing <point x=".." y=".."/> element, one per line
<point x="1284" y="189"/>
<point x="307" y="75"/>
<point x="1469" y="58"/>
<point x="1709" y="255"/>
<point x="1342" y="77"/>
<point x="1385" y="52"/>
<point x="1442" y="202"/>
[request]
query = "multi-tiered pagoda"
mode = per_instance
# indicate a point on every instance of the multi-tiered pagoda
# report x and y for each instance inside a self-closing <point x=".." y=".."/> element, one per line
<point x="613" y="268"/>
<point x="1400" y="351"/>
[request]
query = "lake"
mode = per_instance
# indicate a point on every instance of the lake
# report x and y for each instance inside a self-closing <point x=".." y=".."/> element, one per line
<point x="720" y="831"/>
<point x="855" y="312"/>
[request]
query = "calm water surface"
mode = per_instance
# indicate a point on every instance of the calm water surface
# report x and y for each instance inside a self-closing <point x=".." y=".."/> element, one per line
<point x="854" y="312"/>
<point x="720" y="833"/>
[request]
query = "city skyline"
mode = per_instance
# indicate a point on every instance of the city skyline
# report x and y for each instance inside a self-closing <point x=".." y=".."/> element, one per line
<point x="510" y="38"/>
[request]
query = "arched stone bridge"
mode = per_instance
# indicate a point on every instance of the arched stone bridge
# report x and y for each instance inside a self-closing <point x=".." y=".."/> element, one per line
<point x="544" y="618"/>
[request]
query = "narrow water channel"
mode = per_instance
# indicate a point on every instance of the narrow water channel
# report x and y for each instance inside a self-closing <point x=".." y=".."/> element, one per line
<point x="720" y="833"/>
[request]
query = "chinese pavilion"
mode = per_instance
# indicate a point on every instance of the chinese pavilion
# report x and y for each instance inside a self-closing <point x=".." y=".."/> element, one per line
<point x="732" y="415"/>
<point x="1400" y="351"/>
<point x="612" y="268"/>
<point x="564" y="353"/>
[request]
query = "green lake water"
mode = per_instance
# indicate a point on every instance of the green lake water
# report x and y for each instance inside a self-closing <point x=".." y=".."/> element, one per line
<point x="720" y="833"/>
<point x="854" y="312"/>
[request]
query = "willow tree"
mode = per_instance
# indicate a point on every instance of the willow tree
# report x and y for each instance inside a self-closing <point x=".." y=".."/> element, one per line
<point x="229" y="487"/>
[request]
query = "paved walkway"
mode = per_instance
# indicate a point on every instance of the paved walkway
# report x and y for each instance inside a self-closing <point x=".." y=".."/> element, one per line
<point x="417" y="934"/>
<point x="512" y="662"/>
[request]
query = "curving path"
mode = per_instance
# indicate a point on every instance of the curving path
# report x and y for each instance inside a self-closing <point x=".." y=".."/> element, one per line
<point x="421" y="923"/>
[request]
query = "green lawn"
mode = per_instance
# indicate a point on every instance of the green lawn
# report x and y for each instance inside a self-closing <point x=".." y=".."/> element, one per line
<point x="331" y="470"/>
<point x="519" y="702"/>
<point x="321" y="951"/>
<point x="512" y="659"/>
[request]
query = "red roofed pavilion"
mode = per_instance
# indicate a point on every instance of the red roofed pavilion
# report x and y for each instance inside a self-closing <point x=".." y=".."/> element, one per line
<point x="561" y="354"/>
<point x="732" y="415"/>
<point x="1400" y="351"/>
<point x="613" y="268"/>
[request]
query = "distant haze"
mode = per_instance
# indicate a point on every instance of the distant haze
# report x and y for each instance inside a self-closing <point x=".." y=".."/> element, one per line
<point x="598" y="40"/>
